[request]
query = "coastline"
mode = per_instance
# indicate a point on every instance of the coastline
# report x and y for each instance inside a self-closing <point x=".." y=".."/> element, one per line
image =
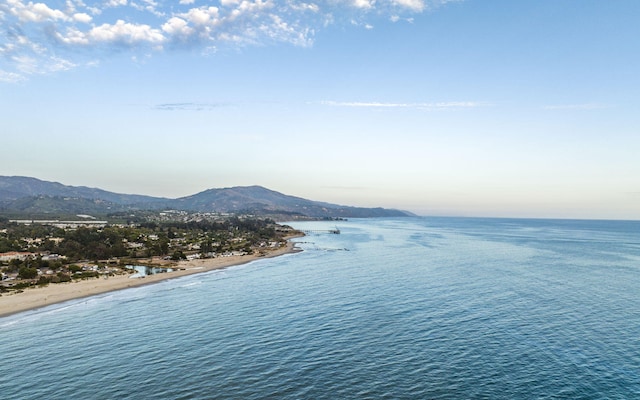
<point x="39" y="297"/>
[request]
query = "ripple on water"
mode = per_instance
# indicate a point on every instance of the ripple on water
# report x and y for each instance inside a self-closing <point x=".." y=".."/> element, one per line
<point x="417" y="308"/>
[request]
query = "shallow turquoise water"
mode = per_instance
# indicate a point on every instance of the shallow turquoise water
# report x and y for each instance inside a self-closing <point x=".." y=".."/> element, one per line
<point x="433" y="308"/>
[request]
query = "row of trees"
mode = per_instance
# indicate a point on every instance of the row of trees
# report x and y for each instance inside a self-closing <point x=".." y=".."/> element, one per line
<point x="150" y="239"/>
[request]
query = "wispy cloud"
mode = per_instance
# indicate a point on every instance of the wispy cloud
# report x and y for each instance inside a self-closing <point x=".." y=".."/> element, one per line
<point x="188" y="106"/>
<point x="426" y="106"/>
<point x="584" y="106"/>
<point x="43" y="31"/>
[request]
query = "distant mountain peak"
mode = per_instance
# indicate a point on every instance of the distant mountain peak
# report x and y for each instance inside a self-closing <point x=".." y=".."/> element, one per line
<point x="15" y="193"/>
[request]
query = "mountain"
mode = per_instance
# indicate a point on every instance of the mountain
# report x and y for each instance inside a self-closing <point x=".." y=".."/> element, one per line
<point x="54" y="205"/>
<point x="260" y="200"/>
<point x="31" y="195"/>
<point x="17" y="187"/>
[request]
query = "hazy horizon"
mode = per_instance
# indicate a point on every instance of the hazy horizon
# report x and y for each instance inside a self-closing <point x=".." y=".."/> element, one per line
<point x="417" y="213"/>
<point x="438" y="107"/>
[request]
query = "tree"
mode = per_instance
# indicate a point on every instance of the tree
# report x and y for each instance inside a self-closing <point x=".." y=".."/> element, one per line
<point x="27" y="273"/>
<point x="15" y="264"/>
<point x="73" y="268"/>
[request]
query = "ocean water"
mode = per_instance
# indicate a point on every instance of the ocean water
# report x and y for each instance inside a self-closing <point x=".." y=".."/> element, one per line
<point x="413" y="308"/>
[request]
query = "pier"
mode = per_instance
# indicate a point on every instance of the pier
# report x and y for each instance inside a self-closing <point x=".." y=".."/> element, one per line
<point x="335" y="231"/>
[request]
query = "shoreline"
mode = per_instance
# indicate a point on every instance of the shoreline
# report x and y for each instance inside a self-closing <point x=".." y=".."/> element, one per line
<point x="40" y="297"/>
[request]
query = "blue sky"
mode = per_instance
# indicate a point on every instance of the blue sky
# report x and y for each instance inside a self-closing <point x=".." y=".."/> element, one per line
<point x="471" y="107"/>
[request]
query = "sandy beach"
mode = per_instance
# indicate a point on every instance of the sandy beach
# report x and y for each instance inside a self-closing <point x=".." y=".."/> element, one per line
<point x="38" y="297"/>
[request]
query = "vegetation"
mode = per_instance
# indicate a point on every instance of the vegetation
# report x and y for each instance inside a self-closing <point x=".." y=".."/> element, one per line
<point x="52" y="254"/>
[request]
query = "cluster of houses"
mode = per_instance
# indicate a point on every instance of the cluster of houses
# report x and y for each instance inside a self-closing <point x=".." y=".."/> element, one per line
<point x="7" y="279"/>
<point x="193" y="247"/>
<point x="23" y="255"/>
<point x="62" y="224"/>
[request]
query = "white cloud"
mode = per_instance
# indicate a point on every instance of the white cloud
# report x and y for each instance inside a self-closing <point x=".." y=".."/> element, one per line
<point x="26" y="64"/>
<point x="125" y="32"/>
<point x="189" y="106"/>
<point x="36" y="30"/>
<point x="228" y="3"/>
<point x="116" y="3"/>
<point x="82" y="17"/>
<point x="94" y="10"/>
<point x="414" y="5"/>
<point x="396" y="18"/>
<point x="71" y="7"/>
<point x="366" y="4"/>
<point x="73" y="37"/>
<point x="281" y="30"/>
<point x="59" y="64"/>
<point x="201" y="16"/>
<point x="251" y="8"/>
<point x="177" y="27"/>
<point x="305" y="7"/>
<point x="11" y="77"/>
<point x="149" y="6"/>
<point x="37" y="12"/>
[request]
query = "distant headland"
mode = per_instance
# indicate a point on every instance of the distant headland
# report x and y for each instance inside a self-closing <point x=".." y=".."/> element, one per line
<point x="26" y="195"/>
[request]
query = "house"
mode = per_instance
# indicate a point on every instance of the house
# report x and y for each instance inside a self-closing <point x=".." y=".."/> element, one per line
<point x="15" y="255"/>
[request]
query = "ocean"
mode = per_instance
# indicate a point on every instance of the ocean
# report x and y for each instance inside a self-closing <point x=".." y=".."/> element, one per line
<point x="407" y="308"/>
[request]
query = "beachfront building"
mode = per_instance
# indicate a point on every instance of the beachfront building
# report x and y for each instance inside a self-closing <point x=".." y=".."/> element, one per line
<point x="15" y="255"/>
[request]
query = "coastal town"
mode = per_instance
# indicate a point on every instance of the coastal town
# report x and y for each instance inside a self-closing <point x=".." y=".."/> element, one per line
<point x="39" y="252"/>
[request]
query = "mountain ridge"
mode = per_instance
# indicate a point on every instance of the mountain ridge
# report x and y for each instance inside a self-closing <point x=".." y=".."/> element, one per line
<point x="27" y="194"/>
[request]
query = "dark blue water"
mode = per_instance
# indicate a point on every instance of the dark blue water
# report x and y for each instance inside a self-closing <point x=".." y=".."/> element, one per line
<point x="430" y="308"/>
